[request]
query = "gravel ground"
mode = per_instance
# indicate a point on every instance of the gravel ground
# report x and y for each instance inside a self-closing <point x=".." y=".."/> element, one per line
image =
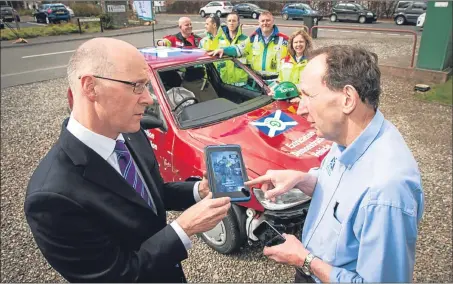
<point x="31" y="116"/>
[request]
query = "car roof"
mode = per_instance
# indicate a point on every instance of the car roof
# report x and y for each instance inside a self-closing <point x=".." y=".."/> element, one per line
<point x="161" y="57"/>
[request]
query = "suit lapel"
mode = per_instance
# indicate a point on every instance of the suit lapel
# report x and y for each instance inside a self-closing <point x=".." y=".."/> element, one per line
<point x="137" y="149"/>
<point x="98" y="170"/>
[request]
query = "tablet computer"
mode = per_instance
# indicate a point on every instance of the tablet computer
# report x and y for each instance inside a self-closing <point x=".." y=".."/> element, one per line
<point x="226" y="172"/>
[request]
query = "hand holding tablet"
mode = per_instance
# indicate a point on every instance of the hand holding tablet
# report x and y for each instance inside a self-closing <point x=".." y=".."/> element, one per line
<point x="226" y="172"/>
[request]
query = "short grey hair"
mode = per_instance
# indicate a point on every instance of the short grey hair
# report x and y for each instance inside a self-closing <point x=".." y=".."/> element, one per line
<point x="89" y="58"/>
<point x="355" y="66"/>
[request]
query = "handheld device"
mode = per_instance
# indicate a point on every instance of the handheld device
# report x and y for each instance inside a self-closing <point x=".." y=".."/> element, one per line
<point x="226" y="172"/>
<point x="268" y="235"/>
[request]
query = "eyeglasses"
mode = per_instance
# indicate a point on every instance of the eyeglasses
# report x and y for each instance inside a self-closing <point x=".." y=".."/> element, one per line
<point x="138" y="87"/>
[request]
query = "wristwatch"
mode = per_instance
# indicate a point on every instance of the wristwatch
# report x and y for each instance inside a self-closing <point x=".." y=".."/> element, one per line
<point x="306" y="267"/>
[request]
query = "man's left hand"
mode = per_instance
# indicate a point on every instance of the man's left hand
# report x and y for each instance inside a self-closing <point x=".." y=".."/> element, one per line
<point x="203" y="186"/>
<point x="291" y="252"/>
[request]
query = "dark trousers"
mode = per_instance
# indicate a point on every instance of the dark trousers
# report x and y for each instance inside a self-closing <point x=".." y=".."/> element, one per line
<point x="300" y="277"/>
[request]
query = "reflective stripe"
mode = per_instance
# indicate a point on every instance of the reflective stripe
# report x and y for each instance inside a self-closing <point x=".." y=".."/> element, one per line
<point x="279" y="52"/>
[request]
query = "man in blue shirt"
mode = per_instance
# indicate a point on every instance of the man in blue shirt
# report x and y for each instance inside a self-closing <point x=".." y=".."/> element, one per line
<point x="367" y="197"/>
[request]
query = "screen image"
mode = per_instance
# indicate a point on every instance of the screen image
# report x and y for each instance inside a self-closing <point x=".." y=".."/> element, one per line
<point x="227" y="171"/>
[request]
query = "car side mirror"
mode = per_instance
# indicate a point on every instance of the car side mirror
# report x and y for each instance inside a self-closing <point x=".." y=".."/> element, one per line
<point x="151" y="122"/>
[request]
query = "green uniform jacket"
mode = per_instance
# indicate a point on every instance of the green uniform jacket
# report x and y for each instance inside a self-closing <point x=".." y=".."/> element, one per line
<point x="229" y="71"/>
<point x="263" y="58"/>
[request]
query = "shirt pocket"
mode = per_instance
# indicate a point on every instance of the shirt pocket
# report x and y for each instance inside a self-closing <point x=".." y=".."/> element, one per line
<point x="330" y="235"/>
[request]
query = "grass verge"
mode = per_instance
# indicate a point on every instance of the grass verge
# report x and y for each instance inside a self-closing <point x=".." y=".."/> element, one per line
<point x="441" y="93"/>
<point x="50" y="30"/>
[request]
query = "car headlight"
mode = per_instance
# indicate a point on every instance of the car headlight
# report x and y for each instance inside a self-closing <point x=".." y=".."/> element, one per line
<point x="290" y="199"/>
<point x="369" y="14"/>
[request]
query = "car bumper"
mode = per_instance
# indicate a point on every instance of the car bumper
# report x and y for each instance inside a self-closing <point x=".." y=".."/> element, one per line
<point x="58" y="17"/>
<point x="289" y="220"/>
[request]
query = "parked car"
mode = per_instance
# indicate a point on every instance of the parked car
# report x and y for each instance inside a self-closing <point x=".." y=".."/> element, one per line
<point x="407" y="12"/>
<point x="421" y="20"/>
<point x="194" y="108"/>
<point x="71" y="12"/>
<point x="248" y="10"/>
<point x="298" y="11"/>
<point x="8" y="14"/>
<point x="218" y="8"/>
<point x="52" y="13"/>
<point x="352" y="12"/>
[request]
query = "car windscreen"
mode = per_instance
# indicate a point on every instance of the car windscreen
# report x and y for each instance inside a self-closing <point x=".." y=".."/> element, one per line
<point x="254" y="6"/>
<point x="306" y="7"/>
<point x="210" y="92"/>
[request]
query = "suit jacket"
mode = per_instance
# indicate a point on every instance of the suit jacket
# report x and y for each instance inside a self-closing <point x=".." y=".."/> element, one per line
<point x="92" y="226"/>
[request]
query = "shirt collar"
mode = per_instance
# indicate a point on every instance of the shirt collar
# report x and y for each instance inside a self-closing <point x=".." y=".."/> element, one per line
<point x="102" y="145"/>
<point x="349" y="155"/>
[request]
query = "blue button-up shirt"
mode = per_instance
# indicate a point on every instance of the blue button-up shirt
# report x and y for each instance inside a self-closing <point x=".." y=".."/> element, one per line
<point x="366" y="207"/>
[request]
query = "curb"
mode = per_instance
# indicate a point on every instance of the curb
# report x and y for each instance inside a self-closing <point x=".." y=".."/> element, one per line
<point x="89" y="37"/>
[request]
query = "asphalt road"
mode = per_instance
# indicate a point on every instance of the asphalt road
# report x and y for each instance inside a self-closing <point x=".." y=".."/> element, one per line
<point x="48" y="61"/>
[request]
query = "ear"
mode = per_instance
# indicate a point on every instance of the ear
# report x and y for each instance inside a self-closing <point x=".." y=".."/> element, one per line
<point x="351" y="99"/>
<point x="88" y="85"/>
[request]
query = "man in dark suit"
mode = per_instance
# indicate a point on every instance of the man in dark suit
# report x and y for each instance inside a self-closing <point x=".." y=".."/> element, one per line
<point x="96" y="204"/>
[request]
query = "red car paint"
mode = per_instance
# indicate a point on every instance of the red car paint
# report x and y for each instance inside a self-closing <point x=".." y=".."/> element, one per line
<point x="180" y="152"/>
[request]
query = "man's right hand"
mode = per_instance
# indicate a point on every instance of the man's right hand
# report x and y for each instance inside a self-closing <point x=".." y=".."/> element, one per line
<point x="278" y="182"/>
<point x="204" y="215"/>
<point x="218" y="52"/>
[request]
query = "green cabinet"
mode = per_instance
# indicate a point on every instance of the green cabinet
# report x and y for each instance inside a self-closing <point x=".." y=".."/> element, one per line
<point x="435" y="51"/>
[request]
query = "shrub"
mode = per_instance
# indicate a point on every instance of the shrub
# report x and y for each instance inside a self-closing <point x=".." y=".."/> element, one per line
<point x="86" y="10"/>
<point x="25" y="12"/>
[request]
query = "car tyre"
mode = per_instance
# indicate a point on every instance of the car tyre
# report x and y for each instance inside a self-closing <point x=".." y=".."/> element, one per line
<point x="218" y="14"/>
<point x="254" y="15"/>
<point x="400" y="20"/>
<point x="202" y="14"/>
<point x="285" y="17"/>
<point x="333" y="18"/>
<point x="232" y="238"/>
<point x="362" y="19"/>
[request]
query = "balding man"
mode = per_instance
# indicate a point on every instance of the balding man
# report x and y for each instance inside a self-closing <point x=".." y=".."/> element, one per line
<point x="96" y="204"/>
<point x="185" y="37"/>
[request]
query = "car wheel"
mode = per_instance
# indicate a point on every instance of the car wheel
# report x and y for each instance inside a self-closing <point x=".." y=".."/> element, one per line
<point x="285" y="16"/>
<point x="218" y="14"/>
<point x="202" y="14"/>
<point x="225" y="237"/>
<point x="400" y="20"/>
<point x="254" y="15"/>
<point x="333" y="18"/>
<point x="362" y="20"/>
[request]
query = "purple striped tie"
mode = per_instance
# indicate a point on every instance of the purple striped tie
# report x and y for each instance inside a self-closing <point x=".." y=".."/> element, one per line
<point x="129" y="171"/>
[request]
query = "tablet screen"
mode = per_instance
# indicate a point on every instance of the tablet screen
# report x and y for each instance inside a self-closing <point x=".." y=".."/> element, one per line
<point x="227" y="170"/>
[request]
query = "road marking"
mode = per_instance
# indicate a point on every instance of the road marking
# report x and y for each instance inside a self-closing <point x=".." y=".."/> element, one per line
<point x="38" y="24"/>
<point x="394" y="34"/>
<point x="47" y="54"/>
<point x="32" y="71"/>
<point x="361" y="32"/>
<point x="345" y="31"/>
<point x="376" y="33"/>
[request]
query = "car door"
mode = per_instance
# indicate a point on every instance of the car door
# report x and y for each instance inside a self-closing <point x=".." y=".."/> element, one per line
<point x="209" y="8"/>
<point x="351" y="12"/>
<point x="340" y="11"/>
<point x="415" y="11"/>
<point x="161" y="139"/>
<point x="241" y="9"/>
<point x="291" y="11"/>
<point x="300" y="11"/>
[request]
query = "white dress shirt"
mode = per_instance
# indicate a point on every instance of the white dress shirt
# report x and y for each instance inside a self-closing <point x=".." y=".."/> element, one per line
<point x="105" y="147"/>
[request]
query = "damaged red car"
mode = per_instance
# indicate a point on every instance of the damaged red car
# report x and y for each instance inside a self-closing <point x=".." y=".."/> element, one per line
<point x="194" y="106"/>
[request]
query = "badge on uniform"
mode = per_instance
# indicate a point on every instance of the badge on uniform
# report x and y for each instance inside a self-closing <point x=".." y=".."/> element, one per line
<point x="331" y="166"/>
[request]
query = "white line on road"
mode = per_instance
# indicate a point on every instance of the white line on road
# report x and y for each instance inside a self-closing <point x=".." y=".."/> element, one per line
<point x="345" y="31"/>
<point x="38" y="24"/>
<point x="376" y="33"/>
<point x="32" y="71"/>
<point x="394" y="34"/>
<point x="46" y="54"/>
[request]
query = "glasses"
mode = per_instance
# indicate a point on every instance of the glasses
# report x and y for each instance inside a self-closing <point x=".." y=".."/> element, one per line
<point x="138" y="87"/>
